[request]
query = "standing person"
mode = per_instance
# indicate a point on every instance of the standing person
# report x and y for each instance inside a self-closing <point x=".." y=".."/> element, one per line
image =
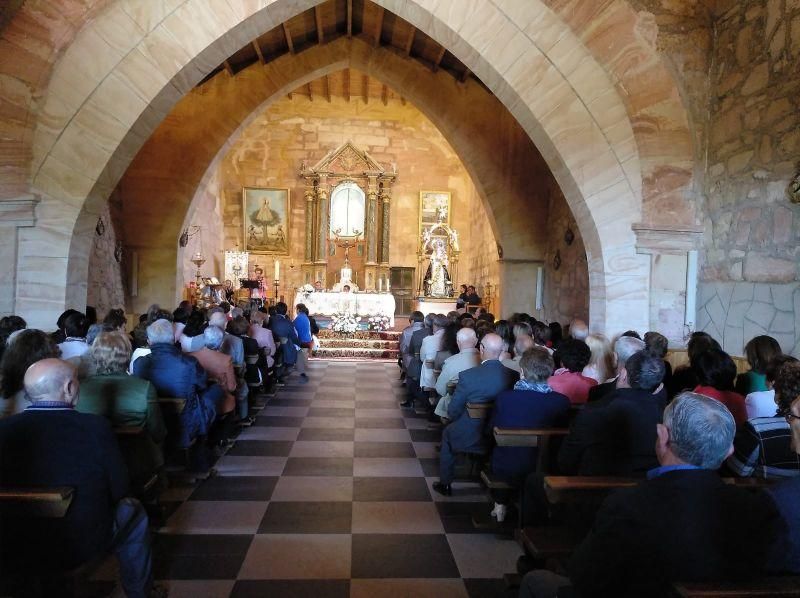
<point x="461" y="302"/>
<point x="415" y="364"/>
<point x="283" y="330"/>
<point x="51" y="444"/>
<point x="302" y="326"/>
<point x="414" y="324"/>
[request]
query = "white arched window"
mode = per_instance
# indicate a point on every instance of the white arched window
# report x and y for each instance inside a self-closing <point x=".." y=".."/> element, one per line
<point x="347" y="210"/>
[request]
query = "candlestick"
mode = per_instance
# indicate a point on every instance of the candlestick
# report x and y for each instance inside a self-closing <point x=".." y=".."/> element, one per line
<point x="380" y="285"/>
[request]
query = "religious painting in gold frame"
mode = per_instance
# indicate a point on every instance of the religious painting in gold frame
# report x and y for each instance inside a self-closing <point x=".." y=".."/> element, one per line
<point x="265" y="214"/>
<point x="434" y="207"/>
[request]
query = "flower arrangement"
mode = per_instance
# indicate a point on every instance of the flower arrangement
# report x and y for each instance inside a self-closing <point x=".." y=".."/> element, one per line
<point x="378" y="323"/>
<point x="345" y="322"/>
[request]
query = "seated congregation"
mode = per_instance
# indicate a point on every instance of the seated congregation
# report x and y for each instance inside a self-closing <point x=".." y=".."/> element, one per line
<point x="706" y="462"/>
<point x="93" y="417"/>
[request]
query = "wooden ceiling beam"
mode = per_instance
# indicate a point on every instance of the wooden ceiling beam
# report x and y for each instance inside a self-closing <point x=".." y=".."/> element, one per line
<point x="438" y="60"/>
<point x="327" y="86"/>
<point x="347" y="85"/>
<point x="288" y="36"/>
<point x="259" y="53"/>
<point x="365" y="89"/>
<point x="309" y="92"/>
<point x="410" y="41"/>
<point x="402" y="100"/>
<point x="464" y="75"/>
<point x="349" y="18"/>
<point x="385" y="95"/>
<point x="228" y="68"/>
<point x="379" y="26"/>
<point x="318" y="22"/>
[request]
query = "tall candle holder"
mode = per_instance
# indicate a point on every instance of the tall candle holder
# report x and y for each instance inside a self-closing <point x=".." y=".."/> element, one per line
<point x="276" y="284"/>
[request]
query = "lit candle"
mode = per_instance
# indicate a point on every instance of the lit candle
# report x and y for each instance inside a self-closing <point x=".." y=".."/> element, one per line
<point x="388" y="285"/>
<point x="277" y="270"/>
<point x="380" y="285"/>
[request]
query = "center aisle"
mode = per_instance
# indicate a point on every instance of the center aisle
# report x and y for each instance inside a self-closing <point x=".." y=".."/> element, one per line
<point x="329" y="494"/>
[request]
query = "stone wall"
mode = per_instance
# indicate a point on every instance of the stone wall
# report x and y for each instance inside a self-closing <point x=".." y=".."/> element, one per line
<point x="105" y="289"/>
<point x="749" y="270"/>
<point x="566" y="289"/>
<point x="271" y="149"/>
<point x="209" y="238"/>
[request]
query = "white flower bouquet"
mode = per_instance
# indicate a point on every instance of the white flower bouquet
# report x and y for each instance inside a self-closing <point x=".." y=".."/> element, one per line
<point x="378" y="323"/>
<point x="345" y="322"/>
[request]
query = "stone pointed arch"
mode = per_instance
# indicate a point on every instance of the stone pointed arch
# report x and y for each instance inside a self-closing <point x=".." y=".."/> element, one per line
<point x="524" y="52"/>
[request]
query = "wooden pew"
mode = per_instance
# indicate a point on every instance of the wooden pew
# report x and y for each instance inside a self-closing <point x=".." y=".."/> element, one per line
<point x="35" y="502"/>
<point x="128" y="430"/>
<point x="172" y="405"/>
<point x="547" y="542"/>
<point x="530" y="437"/>
<point x="479" y="410"/>
<point x="765" y="586"/>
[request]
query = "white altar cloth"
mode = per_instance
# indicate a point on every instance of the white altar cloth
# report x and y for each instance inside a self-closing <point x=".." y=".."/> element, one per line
<point x="360" y="304"/>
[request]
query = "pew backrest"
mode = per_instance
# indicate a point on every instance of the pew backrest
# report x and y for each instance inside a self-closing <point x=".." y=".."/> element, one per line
<point x="35" y="502"/>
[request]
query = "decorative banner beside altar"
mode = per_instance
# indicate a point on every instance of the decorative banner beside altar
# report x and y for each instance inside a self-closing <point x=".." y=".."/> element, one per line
<point x="236" y="266"/>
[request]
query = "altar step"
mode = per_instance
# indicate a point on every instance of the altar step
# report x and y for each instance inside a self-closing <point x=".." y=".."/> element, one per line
<point x="359" y="345"/>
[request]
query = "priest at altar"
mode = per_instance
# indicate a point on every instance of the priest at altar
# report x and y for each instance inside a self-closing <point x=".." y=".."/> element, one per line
<point x="345" y="281"/>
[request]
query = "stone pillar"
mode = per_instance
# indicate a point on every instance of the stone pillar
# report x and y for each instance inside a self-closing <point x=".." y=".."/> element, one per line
<point x="669" y="248"/>
<point x="14" y="214"/>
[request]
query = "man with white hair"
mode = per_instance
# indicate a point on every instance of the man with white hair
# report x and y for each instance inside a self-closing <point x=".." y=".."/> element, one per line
<point x="578" y="329"/>
<point x="624" y="348"/>
<point x="682" y="523"/>
<point x="480" y="384"/>
<point x="522" y="343"/>
<point x="177" y="375"/>
<point x="466" y="358"/>
<point x="51" y="444"/>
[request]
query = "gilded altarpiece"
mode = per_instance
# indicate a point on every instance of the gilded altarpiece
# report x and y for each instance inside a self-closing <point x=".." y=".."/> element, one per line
<point x="368" y="251"/>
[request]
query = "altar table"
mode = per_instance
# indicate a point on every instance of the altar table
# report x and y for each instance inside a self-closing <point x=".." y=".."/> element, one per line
<point x="360" y="304"/>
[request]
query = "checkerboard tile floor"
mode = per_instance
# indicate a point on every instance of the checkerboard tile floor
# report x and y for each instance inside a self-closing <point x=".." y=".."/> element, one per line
<point x="329" y="494"/>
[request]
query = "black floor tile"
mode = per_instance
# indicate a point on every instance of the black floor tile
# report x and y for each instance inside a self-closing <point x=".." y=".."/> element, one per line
<point x="390" y="490"/>
<point x="457" y="517"/>
<point x="489" y="588"/>
<point x="235" y="488"/>
<point x="379" y="556"/>
<point x="281" y="588"/>
<point x="318" y="466"/>
<point x="389" y="423"/>
<point x="276" y="421"/>
<point x="430" y="467"/>
<point x="211" y="556"/>
<point x="331" y="412"/>
<point x="385" y="449"/>
<point x="326" y="434"/>
<point x="307" y="518"/>
<point x="425" y="435"/>
<point x="261" y="448"/>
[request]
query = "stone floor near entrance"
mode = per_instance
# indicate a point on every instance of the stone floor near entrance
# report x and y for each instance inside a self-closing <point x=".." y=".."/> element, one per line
<point x="328" y="495"/>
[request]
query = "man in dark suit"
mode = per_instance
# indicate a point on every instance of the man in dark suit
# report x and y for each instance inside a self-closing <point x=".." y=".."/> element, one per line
<point x="50" y="444"/>
<point x="681" y="524"/>
<point x="615" y="436"/>
<point x="480" y="384"/>
<point x="415" y="363"/>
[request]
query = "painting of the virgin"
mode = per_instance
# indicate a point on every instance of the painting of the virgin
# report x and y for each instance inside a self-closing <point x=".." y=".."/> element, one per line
<point x="266" y="220"/>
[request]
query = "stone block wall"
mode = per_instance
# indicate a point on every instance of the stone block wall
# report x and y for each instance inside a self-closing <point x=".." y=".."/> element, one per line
<point x="271" y="149"/>
<point x="105" y="287"/>
<point x="749" y="273"/>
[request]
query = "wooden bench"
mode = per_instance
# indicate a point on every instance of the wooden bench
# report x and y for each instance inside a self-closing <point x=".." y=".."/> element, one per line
<point x="35" y="502"/>
<point x="479" y="410"/>
<point x="530" y="437"/>
<point x="128" y="430"/>
<point x="547" y="542"/>
<point x="766" y="586"/>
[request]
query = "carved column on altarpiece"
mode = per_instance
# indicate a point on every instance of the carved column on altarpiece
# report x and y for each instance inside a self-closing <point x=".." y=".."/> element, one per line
<point x="321" y="261"/>
<point x="372" y="233"/>
<point x="386" y="236"/>
<point x="308" y="257"/>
